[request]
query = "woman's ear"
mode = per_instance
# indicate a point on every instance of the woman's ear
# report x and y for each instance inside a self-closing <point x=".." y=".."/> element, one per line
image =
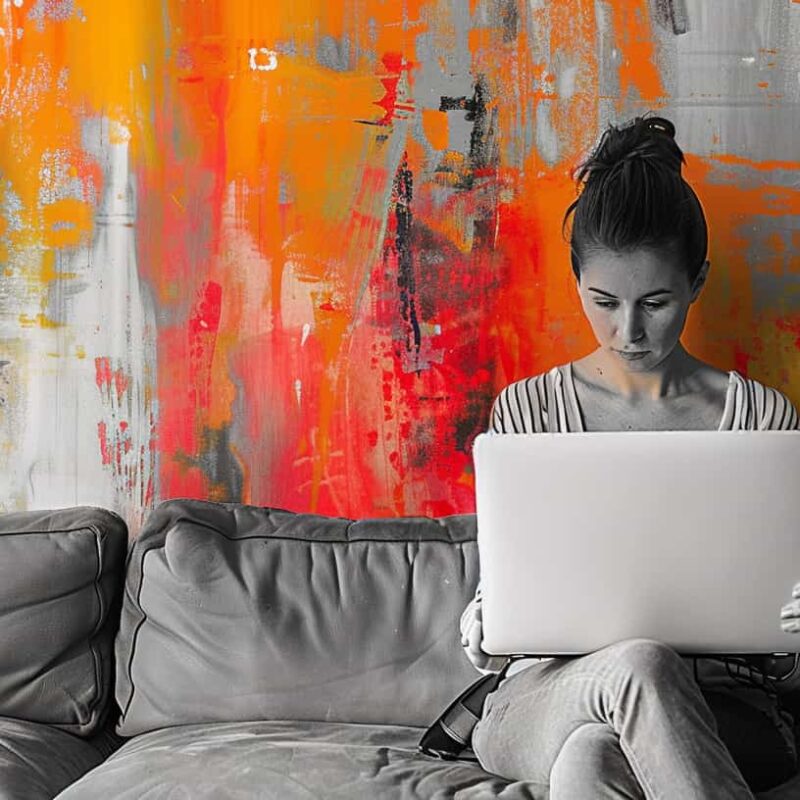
<point x="700" y="280"/>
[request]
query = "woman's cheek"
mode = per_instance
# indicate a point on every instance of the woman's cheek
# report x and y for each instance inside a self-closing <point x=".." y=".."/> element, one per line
<point x="674" y="327"/>
<point x="603" y="326"/>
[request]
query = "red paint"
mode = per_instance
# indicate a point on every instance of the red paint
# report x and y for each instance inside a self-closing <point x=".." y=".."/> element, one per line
<point x="186" y="381"/>
<point x="395" y="64"/>
<point x="203" y="325"/>
<point x="790" y="326"/>
<point x="102" y="368"/>
<point x="105" y="377"/>
<point x="105" y="452"/>
<point x="741" y="360"/>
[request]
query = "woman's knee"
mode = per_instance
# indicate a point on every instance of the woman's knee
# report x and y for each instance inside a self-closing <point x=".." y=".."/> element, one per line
<point x="647" y="658"/>
<point x="591" y="764"/>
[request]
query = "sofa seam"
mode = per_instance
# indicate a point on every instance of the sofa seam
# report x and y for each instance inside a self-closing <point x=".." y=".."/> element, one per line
<point x="92" y="640"/>
<point x="308" y="539"/>
<point x="135" y="635"/>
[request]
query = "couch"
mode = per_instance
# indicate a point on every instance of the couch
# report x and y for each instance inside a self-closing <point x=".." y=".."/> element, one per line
<point x="232" y="652"/>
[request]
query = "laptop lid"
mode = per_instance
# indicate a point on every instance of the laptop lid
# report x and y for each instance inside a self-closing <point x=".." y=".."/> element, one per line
<point x="688" y="537"/>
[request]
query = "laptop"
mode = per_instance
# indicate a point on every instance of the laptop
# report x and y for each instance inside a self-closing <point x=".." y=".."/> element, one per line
<point x="688" y="537"/>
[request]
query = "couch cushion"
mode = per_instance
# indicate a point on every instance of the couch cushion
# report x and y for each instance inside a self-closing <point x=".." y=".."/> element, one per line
<point x="60" y="585"/>
<point x="38" y="761"/>
<point x="287" y="761"/>
<point x="234" y="612"/>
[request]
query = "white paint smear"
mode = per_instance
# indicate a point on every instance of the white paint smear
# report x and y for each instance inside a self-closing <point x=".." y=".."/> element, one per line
<point x="262" y="59"/>
<point x="102" y="314"/>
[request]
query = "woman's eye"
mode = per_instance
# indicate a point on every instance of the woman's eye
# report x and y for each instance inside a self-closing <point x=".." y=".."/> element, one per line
<point x="652" y="305"/>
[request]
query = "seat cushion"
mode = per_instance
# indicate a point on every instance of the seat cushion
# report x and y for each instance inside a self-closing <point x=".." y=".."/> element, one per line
<point x="38" y="761"/>
<point x="60" y="587"/>
<point x="286" y="761"/>
<point x="236" y="613"/>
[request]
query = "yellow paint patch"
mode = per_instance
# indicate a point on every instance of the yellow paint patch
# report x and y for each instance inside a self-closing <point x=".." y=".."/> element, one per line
<point x="67" y="223"/>
<point x="39" y="321"/>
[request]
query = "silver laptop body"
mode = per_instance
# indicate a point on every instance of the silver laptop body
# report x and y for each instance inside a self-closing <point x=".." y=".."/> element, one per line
<point x="688" y="537"/>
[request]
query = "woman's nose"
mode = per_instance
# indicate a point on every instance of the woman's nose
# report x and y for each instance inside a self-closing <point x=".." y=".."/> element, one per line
<point x="632" y="329"/>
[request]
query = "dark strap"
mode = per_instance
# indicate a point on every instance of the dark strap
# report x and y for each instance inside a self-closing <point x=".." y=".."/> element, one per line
<point x="450" y="734"/>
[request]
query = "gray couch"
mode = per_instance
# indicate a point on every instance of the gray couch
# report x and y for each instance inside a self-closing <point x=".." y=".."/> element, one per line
<point x="259" y="654"/>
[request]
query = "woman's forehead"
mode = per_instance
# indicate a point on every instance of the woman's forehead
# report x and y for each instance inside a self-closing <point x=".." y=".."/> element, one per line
<point x="632" y="270"/>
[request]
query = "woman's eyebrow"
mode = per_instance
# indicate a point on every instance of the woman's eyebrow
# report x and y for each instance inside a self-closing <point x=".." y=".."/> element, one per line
<point x="649" y="294"/>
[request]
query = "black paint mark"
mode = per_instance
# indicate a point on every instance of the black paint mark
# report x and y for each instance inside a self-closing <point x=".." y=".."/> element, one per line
<point x="672" y="15"/>
<point x="483" y="150"/>
<point x="402" y="194"/>
<point x="5" y="380"/>
<point x="219" y="464"/>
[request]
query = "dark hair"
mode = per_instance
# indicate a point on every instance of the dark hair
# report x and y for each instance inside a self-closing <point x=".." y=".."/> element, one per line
<point x="632" y="196"/>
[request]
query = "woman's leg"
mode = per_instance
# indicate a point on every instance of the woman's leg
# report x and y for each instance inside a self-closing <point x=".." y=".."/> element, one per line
<point x="593" y="750"/>
<point x="642" y="691"/>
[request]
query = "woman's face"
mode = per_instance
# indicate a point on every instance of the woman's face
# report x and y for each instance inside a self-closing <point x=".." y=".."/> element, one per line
<point x="636" y="304"/>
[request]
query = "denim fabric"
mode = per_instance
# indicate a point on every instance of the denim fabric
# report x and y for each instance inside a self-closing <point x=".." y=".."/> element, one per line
<point x="657" y="737"/>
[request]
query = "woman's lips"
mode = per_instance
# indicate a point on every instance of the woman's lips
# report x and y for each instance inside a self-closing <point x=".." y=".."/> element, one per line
<point x="633" y="356"/>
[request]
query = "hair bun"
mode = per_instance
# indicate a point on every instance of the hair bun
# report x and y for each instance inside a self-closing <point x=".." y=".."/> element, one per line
<point x="650" y="139"/>
<point x="658" y="124"/>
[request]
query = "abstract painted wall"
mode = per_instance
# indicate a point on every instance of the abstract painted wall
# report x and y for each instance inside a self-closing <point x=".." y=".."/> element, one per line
<point x="287" y="253"/>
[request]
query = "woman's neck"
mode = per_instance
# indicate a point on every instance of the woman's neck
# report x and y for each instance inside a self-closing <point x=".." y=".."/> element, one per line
<point x="670" y="378"/>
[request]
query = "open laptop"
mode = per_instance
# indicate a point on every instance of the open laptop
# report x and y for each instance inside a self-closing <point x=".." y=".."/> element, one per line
<point x="688" y="537"/>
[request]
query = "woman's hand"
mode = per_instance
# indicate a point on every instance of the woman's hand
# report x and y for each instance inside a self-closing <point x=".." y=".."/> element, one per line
<point x="472" y="637"/>
<point x="790" y="613"/>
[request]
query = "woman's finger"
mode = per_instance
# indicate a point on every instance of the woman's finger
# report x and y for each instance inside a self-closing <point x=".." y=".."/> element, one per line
<point x="475" y="636"/>
<point x="790" y="626"/>
<point x="791" y="610"/>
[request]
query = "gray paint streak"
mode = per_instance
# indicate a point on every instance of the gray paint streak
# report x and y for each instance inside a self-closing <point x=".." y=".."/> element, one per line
<point x="334" y="54"/>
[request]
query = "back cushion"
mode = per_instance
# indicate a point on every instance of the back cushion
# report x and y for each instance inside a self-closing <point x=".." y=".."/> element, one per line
<point x="60" y="584"/>
<point x="234" y="612"/>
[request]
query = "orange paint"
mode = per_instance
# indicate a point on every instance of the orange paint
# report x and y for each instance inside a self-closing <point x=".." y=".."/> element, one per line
<point x="763" y="166"/>
<point x="327" y="338"/>
<point x="67" y="223"/>
<point x="633" y="34"/>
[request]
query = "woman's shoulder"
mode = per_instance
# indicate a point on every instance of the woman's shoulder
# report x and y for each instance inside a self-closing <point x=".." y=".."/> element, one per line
<point x="760" y="406"/>
<point x="542" y="378"/>
<point x="522" y="405"/>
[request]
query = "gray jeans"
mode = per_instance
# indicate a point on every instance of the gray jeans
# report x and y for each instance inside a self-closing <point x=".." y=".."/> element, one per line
<point x="627" y="721"/>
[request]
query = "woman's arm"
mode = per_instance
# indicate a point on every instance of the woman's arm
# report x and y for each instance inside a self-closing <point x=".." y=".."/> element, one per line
<point x="472" y="635"/>
<point x="505" y="417"/>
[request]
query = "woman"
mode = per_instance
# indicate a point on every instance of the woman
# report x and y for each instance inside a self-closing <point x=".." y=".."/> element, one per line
<point x="635" y="720"/>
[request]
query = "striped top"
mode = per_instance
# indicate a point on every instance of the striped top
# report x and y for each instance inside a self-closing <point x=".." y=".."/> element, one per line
<point x="547" y="403"/>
